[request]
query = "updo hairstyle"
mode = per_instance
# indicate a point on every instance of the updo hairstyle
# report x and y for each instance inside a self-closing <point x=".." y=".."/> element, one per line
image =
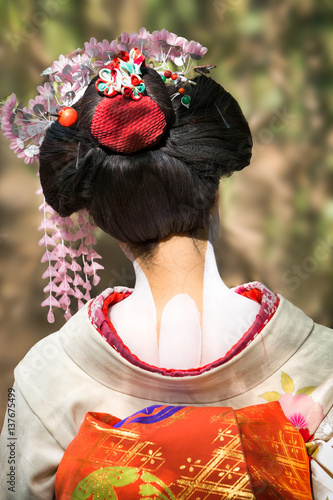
<point x="142" y="197"/>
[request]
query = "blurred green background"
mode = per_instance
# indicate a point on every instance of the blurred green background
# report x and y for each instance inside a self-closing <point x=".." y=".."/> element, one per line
<point x="275" y="57"/>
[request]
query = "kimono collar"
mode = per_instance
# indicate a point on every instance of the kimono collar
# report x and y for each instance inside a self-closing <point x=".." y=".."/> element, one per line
<point x="98" y="314"/>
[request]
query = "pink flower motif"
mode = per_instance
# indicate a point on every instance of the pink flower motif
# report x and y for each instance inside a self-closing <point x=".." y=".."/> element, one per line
<point x="50" y="301"/>
<point x="78" y="281"/>
<point x="302" y="411"/>
<point x="175" y="46"/>
<point x="96" y="279"/>
<point x="38" y="100"/>
<point x="158" y="36"/>
<point x="144" y="34"/>
<point x="5" y="115"/>
<point x="59" y="65"/>
<point x="91" y="47"/>
<point x="68" y="87"/>
<point x="106" y="51"/>
<point x="46" y="240"/>
<point x="51" y="287"/>
<point x="298" y="420"/>
<point x="17" y="146"/>
<point x="195" y="49"/>
<point x="127" y="42"/>
<point x="50" y="316"/>
<point x="78" y="294"/>
<point x="158" y="39"/>
<point x="106" y="46"/>
<point x="92" y="254"/>
<point x="178" y="41"/>
<point x="45" y="91"/>
<point x="81" y="58"/>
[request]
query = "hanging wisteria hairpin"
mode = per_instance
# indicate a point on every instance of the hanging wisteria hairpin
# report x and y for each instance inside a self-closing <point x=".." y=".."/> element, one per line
<point x="72" y="267"/>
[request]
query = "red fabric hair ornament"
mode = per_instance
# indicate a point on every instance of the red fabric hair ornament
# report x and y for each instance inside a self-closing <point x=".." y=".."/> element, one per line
<point x="126" y="120"/>
<point x="126" y="126"/>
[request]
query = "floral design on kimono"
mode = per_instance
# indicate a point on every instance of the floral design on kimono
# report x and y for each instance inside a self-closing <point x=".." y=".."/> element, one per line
<point x="301" y="410"/>
<point x="101" y="484"/>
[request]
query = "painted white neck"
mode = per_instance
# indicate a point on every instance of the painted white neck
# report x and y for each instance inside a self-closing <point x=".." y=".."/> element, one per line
<point x="186" y="339"/>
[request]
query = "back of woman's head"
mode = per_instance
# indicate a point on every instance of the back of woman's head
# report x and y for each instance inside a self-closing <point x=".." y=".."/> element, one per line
<point x="169" y="187"/>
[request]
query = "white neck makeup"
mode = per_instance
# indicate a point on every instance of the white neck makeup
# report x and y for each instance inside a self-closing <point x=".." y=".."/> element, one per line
<point x="186" y="340"/>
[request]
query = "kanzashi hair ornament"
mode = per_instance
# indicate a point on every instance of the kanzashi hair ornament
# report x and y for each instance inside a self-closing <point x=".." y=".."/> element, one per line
<point x="127" y="125"/>
<point x="184" y="95"/>
<point x="68" y="79"/>
<point x="67" y="116"/>
<point x="123" y="76"/>
<point x="205" y="69"/>
<point x="125" y="120"/>
<point x="221" y="115"/>
<point x="72" y="267"/>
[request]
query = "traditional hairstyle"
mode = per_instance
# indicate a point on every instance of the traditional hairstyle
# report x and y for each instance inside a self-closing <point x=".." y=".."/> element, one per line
<point x="125" y="138"/>
<point x="142" y="197"/>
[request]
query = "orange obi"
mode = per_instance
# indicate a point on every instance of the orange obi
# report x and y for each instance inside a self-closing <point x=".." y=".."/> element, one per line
<point x="186" y="453"/>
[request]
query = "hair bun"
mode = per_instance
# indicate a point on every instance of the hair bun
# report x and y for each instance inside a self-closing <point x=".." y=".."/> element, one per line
<point x="168" y="188"/>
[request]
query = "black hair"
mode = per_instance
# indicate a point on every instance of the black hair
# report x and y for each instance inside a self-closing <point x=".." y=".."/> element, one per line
<point x="142" y="197"/>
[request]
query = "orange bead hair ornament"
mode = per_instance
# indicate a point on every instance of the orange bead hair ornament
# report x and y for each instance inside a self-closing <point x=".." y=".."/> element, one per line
<point x="67" y="116"/>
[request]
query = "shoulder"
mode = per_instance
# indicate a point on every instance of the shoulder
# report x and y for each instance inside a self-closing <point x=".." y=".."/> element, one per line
<point x="71" y="372"/>
<point x="52" y="382"/>
<point x="49" y="353"/>
<point x="312" y="344"/>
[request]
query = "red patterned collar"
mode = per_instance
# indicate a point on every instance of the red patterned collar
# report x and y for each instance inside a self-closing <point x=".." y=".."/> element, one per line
<point x="98" y="315"/>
